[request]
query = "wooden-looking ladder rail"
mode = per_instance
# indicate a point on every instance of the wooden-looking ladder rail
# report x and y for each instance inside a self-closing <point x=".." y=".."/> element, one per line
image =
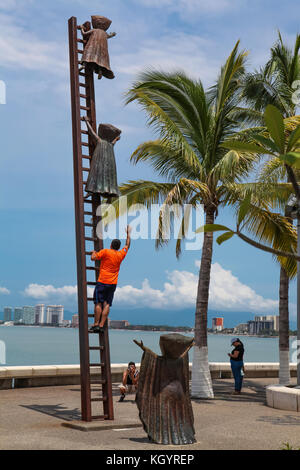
<point x="83" y="106"/>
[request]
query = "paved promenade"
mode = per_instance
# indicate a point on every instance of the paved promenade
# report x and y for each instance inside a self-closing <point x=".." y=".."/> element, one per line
<point x="32" y="418"/>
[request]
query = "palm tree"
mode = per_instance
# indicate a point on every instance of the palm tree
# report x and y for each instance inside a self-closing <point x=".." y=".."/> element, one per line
<point x="192" y="125"/>
<point x="274" y="84"/>
<point x="283" y="144"/>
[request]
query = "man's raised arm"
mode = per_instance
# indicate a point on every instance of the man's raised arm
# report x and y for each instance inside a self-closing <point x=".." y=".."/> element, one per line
<point x="128" y="239"/>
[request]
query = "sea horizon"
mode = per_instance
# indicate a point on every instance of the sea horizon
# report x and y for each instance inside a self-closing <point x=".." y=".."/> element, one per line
<point x="34" y="345"/>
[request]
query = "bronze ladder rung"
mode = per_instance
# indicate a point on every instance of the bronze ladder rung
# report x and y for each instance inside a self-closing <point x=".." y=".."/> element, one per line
<point x="99" y="399"/>
<point x="87" y="224"/>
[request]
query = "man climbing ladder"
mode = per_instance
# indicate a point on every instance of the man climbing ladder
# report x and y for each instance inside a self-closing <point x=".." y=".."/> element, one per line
<point x="111" y="260"/>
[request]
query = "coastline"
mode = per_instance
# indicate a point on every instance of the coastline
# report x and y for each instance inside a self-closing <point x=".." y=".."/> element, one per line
<point x="153" y="328"/>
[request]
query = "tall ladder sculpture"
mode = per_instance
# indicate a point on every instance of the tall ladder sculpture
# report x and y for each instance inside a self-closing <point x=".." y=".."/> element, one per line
<point x="83" y="106"/>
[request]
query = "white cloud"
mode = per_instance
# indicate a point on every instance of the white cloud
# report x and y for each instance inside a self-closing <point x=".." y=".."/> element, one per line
<point x="191" y="5"/>
<point x="191" y="8"/>
<point x="22" y="49"/>
<point x="226" y="293"/>
<point x="169" y="50"/>
<point x="179" y="292"/>
<point x="38" y="291"/>
<point x="3" y="290"/>
<point x="66" y="294"/>
<point x="175" y="51"/>
<point x="8" y="4"/>
<point x="15" y="4"/>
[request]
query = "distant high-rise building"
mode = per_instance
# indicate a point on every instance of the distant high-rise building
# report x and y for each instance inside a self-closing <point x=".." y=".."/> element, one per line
<point x="18" y="314"/>
<point x="55" y="315"/>
<point x="7" y="314"/>
<point x="242" y="328"/>
<point x="75" y="321"/>
<point x="39" y="311"/>
<point x="118" y="323"/>
<point x="258" y="326"/>
<point x="217" y="324"/>
<point x="28" y="315"/>
<point x="272" y="318"/>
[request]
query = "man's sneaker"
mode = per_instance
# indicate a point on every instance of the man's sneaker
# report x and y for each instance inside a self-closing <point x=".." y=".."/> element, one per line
<point x="122" y="397"/>
<point x="94" y="329"/>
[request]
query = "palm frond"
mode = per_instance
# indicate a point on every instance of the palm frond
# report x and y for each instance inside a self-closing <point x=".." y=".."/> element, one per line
<point x="260" y="221"/>
<point x="247" y="116"/>
<point x="169" y="160"/>
<point x="267" y="195"/>
<point x="140" y="192"/>
<point x="176" y="106"/>
<point x="233" y="166"/>
<point x="272" y="171"/>
<point x="225" y="89"/>
<point x="178" y="200"/>
<point x="261" y="88"/>
<point x="184" y="225"/>
<point x="275" y="230"/>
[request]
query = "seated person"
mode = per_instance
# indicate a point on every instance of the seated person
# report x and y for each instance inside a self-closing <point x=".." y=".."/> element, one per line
<point x="130" y="380"/>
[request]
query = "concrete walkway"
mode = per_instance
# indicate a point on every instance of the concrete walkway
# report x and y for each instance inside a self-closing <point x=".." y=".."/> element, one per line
<point x="32" y="418"/>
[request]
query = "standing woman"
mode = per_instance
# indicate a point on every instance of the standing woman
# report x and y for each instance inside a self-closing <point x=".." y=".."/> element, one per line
<point x="237" y="364"/>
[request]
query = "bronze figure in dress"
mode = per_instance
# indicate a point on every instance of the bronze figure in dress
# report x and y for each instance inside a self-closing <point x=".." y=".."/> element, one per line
<point x="95" y="52"/>
<point x="102" y="177"/>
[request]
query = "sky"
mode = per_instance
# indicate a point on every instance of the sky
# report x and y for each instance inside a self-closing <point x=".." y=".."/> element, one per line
<point x="37" y="235"/>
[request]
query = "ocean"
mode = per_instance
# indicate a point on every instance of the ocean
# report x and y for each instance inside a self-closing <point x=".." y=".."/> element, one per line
<point x="26" y="345"/>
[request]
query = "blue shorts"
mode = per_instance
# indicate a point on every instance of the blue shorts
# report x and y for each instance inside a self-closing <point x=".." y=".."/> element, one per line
<point x="104" y="293"/>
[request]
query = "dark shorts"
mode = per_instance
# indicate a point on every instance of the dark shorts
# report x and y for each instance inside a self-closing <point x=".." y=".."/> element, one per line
<point x="104" y="293"/>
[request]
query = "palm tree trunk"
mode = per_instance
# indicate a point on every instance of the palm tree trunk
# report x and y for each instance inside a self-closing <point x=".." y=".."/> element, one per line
<point x="201" y="378"/>
<point x="284" y="347"/>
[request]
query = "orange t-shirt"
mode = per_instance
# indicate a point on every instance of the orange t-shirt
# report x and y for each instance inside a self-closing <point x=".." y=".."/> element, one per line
<point x="110" y="264"/>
